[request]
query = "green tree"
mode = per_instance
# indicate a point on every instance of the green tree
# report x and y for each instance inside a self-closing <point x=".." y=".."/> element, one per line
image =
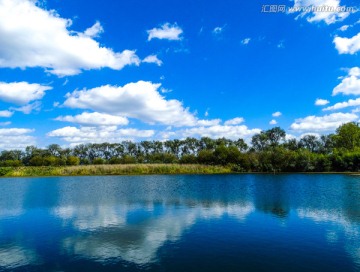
<point x="275" y="136"/>
<point x="348" y="136"/>
<point x="310" y="142"/>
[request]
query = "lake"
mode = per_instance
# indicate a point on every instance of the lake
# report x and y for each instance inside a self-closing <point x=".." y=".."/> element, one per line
<point x="181" y="223"/>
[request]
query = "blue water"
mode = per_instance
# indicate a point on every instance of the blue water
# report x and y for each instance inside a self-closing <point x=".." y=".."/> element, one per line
<point x="181" y="223"/>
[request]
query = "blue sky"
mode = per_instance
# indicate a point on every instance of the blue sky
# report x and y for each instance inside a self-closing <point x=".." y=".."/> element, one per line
<point x="81" y="71"/>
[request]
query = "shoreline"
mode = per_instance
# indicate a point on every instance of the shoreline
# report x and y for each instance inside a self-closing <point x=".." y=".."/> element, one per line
<point x="132" y="170"/>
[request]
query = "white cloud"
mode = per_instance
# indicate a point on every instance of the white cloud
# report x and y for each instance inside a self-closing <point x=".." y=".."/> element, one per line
<point x="6" y="113"/>
<point x="315" y="11"/>
<point x="277" y="114"/>
<point x="16" y="138"/>
<point x="273" y="122"/>
<point x="98" y="134"/>
<point x="27" y="109"/>
<point x="344" y="28"/>
<point x="349" y="84"/>
<point x="34" y="37"/>
<point x="94" y="31"/>
<point x="167" y="32"/>
<point x="153" y="59"/>
<point x="234" y="121"/>
<point x="245" y="41"/>
<point x="218" y="30"/>
<point x="323" y="123"/>
<point x="347" y="45"/>
<point x="140" y="100"/>
<point x="321" y="102"/>
<point x="289" y="136"/>
<point x="21" y="93"/>
<point x="207" y="123"/>
<point x="14" y="131"/>
<point x="164" y="90"/>
<point x="218" y="131"/>
<point x="94" y="119"/>
<point x="317" y="135"/>
<point x="346" y="104"/>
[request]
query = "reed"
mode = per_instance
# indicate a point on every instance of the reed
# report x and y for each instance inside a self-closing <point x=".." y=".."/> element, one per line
<point x="118" y="169"/>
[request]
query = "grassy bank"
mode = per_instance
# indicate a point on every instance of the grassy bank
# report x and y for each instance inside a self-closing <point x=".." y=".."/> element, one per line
<point x="120" y="169"/>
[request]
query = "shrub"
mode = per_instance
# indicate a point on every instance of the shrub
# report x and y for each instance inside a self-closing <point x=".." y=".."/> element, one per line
<point x="72" y="160"/>
<point x="188" y="159"/>
<point x="127" y="159"/>
<point x="36" y="161"/>
<point x="51" y="161"/>
<point x="11" y="163"/>
<point x="115" y="160"/>
<point x="4" y="170"/>
<point x="98" y="161"/>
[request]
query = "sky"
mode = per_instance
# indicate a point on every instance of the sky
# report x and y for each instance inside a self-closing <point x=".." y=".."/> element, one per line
<point x="74" y="72"/>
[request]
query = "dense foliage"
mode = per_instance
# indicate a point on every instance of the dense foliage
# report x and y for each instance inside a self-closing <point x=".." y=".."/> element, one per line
<point x="270" y="151"/>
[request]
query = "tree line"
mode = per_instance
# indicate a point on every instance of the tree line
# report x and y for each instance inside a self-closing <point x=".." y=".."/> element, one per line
<point x="269" y="151"/>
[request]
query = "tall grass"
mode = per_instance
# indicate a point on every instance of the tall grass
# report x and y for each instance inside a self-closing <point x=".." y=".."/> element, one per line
<point x="120" y="169"/>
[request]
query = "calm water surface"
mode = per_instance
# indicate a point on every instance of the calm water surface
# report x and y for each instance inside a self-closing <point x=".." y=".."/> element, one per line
<point x="181" y="223"/>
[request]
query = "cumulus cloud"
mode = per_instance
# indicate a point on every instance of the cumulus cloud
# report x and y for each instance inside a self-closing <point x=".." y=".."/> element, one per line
<point x="109" y="134"/>
<point x="205" y="123"/>
<point x="346" y="104"/>
<point x="314" y="11"/>
<point x="273" y="122"/>
<point x="34" y="37"/>
<point x="14" y="131"/>
<point x="217" y="131"/>
<point x="277" y="114"/>
<point x="21" y="93"/>
<point x="94" y="31"/>
<point x="6" y="113"/>
<point x="234" y="121"/>
<point x="166" y="32"/>
<point x="323" y="123"/>
<point x="152" y="59"/>
<point x="140" y="100"/>
<point x="347" y="45"/>
<point x="16" y="138"/>
<point x="94" y="119"/>
<point x="321" y="102"/>
<point x="349" y="84"/>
